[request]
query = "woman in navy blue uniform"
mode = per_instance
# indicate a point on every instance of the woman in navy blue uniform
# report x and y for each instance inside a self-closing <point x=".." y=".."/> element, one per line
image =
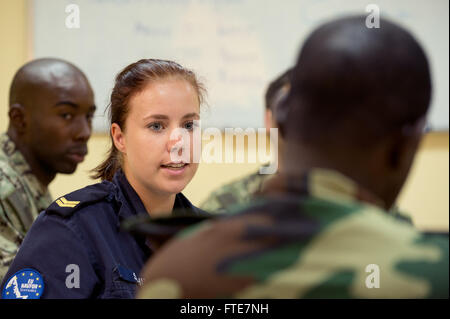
<point x="76" y="248"/>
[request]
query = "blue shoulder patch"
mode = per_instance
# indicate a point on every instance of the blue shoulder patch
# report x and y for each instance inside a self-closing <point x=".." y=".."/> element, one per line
<point x="68" y="204"/>
<point x="24" y="284"/>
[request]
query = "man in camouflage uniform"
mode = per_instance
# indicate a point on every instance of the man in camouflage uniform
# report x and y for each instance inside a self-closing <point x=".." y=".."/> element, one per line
<point x="51" y="104"/>
<point x="321" y="228"/>
<point x="242" y="190"/>
<point x="237" y="192"/>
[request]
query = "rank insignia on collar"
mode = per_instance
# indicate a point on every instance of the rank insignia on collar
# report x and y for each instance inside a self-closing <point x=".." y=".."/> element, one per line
<point x="24" y="284"/>
<point x="62" y="202"/>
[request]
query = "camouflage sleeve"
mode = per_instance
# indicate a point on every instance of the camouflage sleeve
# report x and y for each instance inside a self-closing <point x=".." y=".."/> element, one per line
<point x="13" y="207"/>
<point x="237" y="192"/>
<point x="218" y="201"/>
<point x="10" y="239"/>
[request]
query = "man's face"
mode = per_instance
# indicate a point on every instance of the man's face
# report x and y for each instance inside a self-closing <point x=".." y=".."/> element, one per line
<point x="59" y="123"/>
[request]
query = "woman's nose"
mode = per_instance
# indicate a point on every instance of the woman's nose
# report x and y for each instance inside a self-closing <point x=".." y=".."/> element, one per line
<point x="175" y="142"/>
<point x="177" y="147"/>
<point x="174" y="145"/>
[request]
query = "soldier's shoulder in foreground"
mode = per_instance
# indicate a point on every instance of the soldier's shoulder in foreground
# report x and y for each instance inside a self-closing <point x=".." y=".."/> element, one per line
<point x="363" y="253"/>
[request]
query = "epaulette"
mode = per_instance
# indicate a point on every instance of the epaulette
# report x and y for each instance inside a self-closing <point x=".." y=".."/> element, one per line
<point x="66" y="205"/>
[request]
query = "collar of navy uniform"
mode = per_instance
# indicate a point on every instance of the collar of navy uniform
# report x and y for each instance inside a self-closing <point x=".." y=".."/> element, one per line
<point x="129" y="197"/>
<point x="131" y="205"/>
<point x="181" y="205"/>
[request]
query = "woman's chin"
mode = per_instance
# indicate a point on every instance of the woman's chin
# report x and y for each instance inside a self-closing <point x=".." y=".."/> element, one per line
<point x="173" y="187"/>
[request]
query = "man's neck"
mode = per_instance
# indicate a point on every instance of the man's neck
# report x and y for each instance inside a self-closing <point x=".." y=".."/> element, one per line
<point x="358" y="171"/>
<point x="43" y="176"/>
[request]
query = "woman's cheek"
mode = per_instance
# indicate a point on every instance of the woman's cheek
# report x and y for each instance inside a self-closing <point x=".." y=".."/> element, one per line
<point x="195" y="148"/>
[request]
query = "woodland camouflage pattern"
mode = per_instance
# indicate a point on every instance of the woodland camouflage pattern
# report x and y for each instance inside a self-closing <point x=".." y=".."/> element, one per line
<point x="311" y="236"/>
<point x="243" y="191"/>
<point x="237" y="192"/>
<point x="22" y="197"/>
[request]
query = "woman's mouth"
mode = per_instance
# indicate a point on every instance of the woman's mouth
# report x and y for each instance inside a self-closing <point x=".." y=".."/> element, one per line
<point x="174" y="165"/>
<point x="174" y="169"/>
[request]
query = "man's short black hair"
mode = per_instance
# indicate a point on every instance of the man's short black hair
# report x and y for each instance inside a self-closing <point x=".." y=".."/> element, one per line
<point x="356" y="83"/>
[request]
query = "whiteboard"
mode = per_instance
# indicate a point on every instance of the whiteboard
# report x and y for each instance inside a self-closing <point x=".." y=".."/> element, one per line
<point x="236" y="46"/>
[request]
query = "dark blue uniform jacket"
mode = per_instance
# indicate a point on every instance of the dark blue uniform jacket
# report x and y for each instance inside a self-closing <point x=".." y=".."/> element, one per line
<point x="83" y="229"/>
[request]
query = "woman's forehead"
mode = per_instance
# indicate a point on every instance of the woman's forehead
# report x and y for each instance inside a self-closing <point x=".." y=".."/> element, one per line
<point x="172" y="98"/>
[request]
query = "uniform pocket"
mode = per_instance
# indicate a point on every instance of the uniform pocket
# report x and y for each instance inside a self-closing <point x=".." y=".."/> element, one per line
<point x="124" y="283"/>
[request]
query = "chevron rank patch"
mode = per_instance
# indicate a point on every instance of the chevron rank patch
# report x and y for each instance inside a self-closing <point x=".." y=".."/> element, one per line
<point x="24" y="284"/>
<point x="62" y="202"/>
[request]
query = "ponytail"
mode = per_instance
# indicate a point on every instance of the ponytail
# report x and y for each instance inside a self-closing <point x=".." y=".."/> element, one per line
<point x="107" y="169"/>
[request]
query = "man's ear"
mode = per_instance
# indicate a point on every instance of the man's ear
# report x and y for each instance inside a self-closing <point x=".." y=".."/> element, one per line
<point x="118" y="137"/>
<point x="17" y="117"/>
<point x="402" y="150"/>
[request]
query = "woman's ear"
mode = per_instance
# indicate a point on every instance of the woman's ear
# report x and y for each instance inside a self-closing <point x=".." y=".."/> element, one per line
<point x="118" y="138"/>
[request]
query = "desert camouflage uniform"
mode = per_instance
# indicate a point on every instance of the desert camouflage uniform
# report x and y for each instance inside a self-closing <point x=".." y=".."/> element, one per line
<point x="313" y="236"/>
<point x="237" y="192"/>
<point x="22" y="197"/>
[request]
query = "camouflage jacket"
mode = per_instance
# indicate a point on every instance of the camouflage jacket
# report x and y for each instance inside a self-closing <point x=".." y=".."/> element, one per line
<point x="237" y="192"/>
<point x="313" y="236"/>
<point x="244" y="190"/>
<point x="22" y="197"/>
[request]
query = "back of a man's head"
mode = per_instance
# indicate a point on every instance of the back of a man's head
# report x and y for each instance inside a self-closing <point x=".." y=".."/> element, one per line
<point x="357" y="83"/>
<point x="357" y="104"/>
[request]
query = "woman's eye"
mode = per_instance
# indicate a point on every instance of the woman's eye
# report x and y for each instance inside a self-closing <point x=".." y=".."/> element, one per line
<point x="189" y="126"/>
<point x="155" y="126"/>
